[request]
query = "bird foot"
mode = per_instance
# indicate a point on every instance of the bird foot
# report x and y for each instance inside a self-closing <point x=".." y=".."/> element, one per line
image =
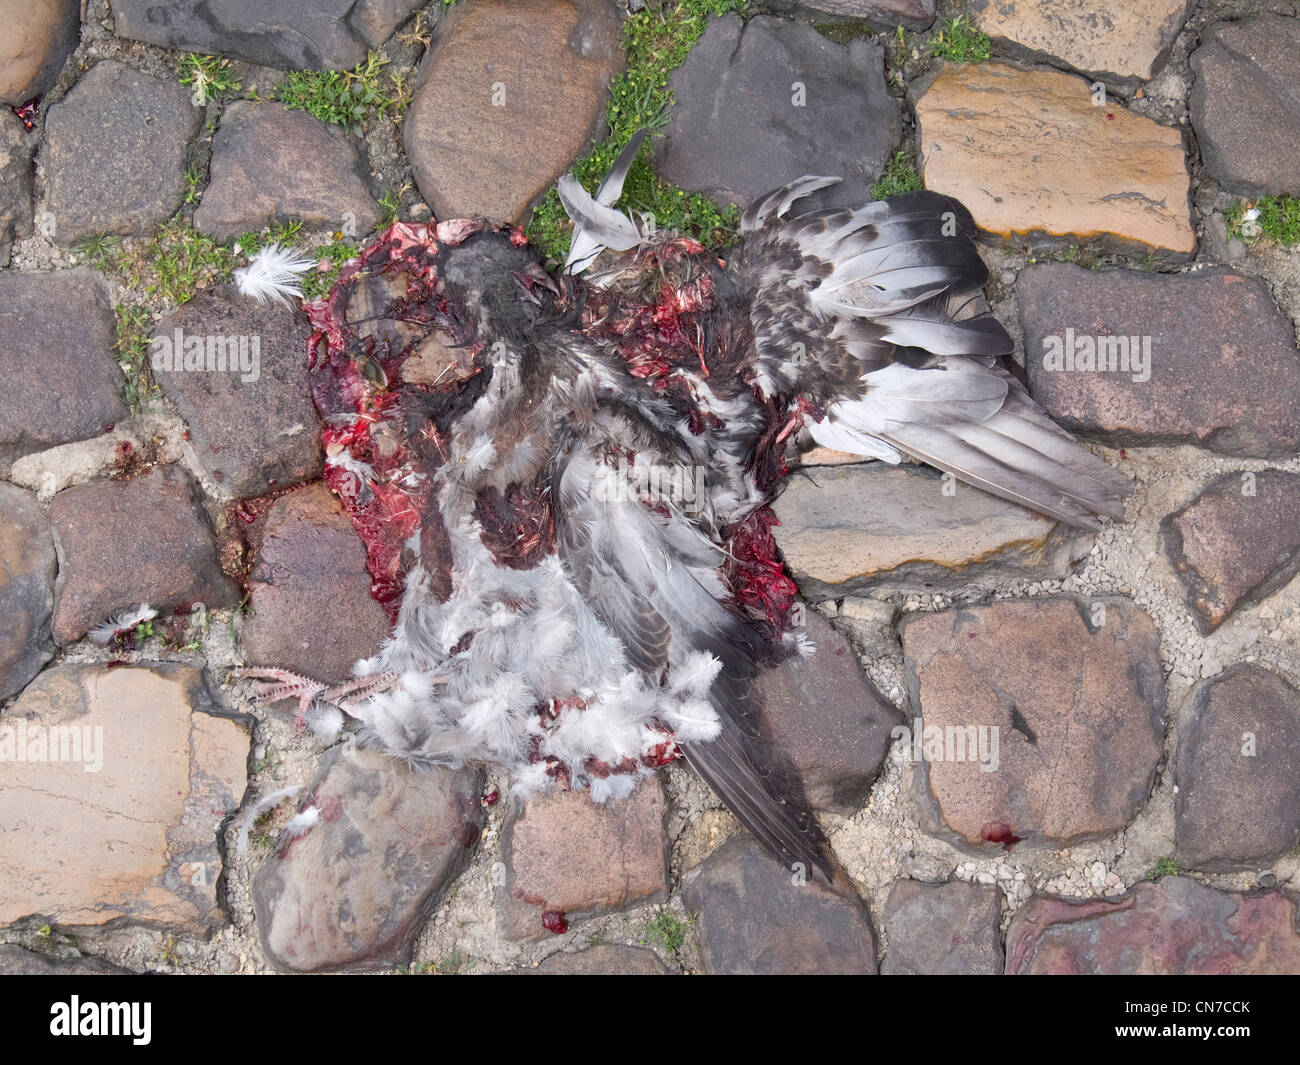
<point x="276" y="684"/>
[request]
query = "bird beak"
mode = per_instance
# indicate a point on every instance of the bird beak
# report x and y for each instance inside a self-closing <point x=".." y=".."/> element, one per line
<point x="533" y="275"/>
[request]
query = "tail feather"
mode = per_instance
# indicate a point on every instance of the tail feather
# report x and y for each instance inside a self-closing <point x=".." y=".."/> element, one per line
<point x="760" y="787"/>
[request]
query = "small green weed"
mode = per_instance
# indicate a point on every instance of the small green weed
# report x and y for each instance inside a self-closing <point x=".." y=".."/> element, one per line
<point x="960" y="42"/>
<point x="1167" y="866"/>
<point x="102" y="251"/>
<point x="132" y="348"/>
<point x="391" y="202"/>
<point x="1086" y="255"/>
<point x="178" y="261"/>
<point x="348" y="98"/>
<point x="900" y="176"/>
<point x="283" y="234"/>
<point x="1275" y="218"/>
<point x="318" y="282"/>
<point x="668" y="930"/>
<point x="209" y="75"/>
<point x="194" y="182"/>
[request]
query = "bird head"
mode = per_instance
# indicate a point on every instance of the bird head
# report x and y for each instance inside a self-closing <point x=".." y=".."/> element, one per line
<point x="494" y="281"/>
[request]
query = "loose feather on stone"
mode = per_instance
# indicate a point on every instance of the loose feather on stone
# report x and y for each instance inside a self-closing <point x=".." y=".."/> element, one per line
<point x="121" y="622"/>
<point x="274" y="273"/>
<point x="590" y="221"/>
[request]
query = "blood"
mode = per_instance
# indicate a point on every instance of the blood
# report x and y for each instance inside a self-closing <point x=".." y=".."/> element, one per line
<point x="385" y="438"/>
<point x="999" y="832"/>
<point x="518" y="526"/>
<point x="756" y="575"/>
<point x="27" y="113"/>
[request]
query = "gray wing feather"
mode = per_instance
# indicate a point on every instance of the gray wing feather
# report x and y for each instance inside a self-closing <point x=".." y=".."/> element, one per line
<point x="653" y="579"/>
<point x="590" y="225"/>
<point x="612" y="187"/>
<point x="604" y="224"/>
<point x="896" y="286"/>
<point x="781" y="200"/>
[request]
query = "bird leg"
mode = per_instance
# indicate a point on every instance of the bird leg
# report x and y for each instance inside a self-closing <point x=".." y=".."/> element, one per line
<point x="276" y="684"/>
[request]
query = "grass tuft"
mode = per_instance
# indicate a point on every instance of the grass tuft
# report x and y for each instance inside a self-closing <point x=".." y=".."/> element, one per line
<point x="101" y="251"/>
<point x="668" y="929"/>
<point x="960" y="42"/>
<point x="899" y="176"/>
<point x="178" y="261"/>
<point x="657" y="39"/>
<point x="348" y="98"/>
<point x="209" y="75"/>
<point x="132" y="351"/>
<point x="318" y="282"/>
<point x="1275" y="218"/>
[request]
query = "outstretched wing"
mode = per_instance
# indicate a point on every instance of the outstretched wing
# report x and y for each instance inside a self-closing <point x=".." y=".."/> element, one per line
<point x="876" y="317"/>
<point x="652" y="576"/>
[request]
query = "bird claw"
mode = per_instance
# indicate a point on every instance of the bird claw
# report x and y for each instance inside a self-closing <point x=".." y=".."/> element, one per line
<point x="276" y="684"/>
<point x="349" y="694"/>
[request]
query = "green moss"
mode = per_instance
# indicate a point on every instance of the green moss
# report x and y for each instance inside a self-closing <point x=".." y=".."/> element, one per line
<point x="843" y="32"/>
<point x="1167" y="866"/>
<point x="1278" y="220"/>
<point x="900" y="176"/>
<point x="961" y="42"/>
<point x="657" y="39"/>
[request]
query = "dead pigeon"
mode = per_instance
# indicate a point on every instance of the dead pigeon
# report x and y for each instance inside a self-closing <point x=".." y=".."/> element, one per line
<point x="562" y="481"/>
